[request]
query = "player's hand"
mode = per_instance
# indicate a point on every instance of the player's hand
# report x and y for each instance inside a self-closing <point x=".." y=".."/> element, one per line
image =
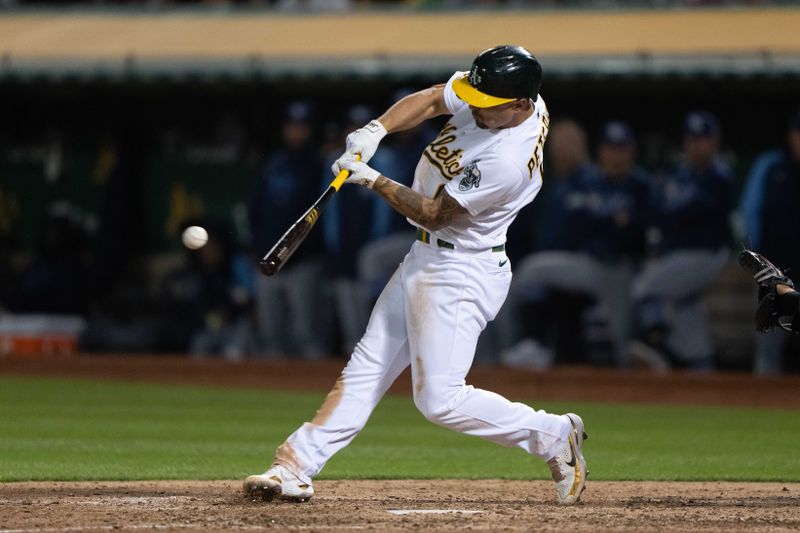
<point x="360" y="172"/>
<point x="364" y="141"/>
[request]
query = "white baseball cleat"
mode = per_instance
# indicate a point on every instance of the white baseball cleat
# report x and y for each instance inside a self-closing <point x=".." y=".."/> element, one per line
<point x="568" y="466"/>
<point x="277" y="482"/>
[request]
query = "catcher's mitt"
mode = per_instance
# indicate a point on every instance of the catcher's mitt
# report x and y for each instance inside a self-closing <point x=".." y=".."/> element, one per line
<point x="768" y="277"/>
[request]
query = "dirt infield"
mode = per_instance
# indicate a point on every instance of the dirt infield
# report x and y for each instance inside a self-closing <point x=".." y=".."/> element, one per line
<point x="451" y="505"/>
<point x="375" y="505"/>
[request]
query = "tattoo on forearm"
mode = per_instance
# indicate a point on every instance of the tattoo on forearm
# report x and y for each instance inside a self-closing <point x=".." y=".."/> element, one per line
<point x="431" y="213"/>
<point x="408" y="199"/>
<point x="448" y="207"/>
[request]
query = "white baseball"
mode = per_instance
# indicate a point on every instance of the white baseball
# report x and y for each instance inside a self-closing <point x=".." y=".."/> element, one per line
<point x="194" y="237"/>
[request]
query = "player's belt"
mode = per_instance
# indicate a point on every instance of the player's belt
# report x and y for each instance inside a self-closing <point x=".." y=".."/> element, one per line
<point x="425" y="236"/>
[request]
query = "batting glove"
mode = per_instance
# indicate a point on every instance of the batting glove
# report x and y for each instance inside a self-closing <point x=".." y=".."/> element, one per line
<point x="360" y="172"/>
<point x="365" y="141"/>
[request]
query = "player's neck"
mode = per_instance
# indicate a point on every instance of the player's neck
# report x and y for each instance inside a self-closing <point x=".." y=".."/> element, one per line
<point x="521" y="117"/>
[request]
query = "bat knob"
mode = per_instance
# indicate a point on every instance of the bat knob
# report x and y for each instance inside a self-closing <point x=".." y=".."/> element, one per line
<point x="269" y="267"/>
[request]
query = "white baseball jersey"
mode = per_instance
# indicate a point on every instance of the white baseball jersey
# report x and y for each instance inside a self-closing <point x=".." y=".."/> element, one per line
<point x="434" y="308"/>
<point x="491" y="173"/>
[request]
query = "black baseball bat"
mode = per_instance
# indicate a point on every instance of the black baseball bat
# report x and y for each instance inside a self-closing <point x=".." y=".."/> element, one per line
<point x="286" y="245"/>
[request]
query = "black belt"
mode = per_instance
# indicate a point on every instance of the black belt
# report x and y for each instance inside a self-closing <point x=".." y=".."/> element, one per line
<point x="425" y="236"/>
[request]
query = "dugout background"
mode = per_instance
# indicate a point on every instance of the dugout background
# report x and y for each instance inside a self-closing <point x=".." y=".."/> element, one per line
<point x="138" y="116"/>
<point x="161" y="95"/>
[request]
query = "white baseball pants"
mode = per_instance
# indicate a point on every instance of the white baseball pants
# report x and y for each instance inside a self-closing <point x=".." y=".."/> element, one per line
<point x="429" y="316"/>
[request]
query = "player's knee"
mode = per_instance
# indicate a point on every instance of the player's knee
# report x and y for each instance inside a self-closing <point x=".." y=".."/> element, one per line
<point x="435" y="405"/>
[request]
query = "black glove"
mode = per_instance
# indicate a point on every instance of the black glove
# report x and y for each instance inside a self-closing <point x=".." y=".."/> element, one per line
<point x="768" y="277"/>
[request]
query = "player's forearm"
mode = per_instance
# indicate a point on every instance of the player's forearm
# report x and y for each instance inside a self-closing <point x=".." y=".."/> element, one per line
<point x="414" y="109"/>
<point x="424" y="211"/>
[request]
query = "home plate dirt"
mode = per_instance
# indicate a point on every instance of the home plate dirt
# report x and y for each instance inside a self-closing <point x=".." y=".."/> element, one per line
<point x="345" y="505"/>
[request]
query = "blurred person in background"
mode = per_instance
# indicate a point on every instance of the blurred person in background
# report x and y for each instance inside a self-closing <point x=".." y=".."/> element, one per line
<point x="594" y="241"/>
<point x="567" y="158"/>
<point x="10" y="255"/>
<point x="55" y="279"/>
<point x="210" y="296"/>
<point x="534" y="345"/>
<point x="769" y="209"/>
<point x="689" y="211"/>
<point x="379" y="258"/>
<point x="352" y="221"/>
<point x="287" y="305"/>
<point x="568" y="161"/>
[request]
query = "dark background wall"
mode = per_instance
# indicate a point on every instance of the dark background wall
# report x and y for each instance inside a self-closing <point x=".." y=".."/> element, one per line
<point x="165" y="133"/>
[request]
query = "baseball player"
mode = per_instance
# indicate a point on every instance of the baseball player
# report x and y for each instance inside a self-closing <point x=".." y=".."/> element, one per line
<point x="469" y="185"/>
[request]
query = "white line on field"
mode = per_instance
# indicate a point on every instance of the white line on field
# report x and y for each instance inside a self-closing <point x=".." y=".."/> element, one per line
<point x="428" y="511"/>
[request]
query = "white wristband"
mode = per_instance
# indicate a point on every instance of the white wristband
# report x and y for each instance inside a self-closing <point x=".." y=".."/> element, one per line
<point x="376" y="128"/>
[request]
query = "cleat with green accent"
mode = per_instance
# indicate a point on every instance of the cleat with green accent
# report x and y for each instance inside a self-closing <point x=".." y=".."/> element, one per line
<point x="277" y="482"/>
<point x="568" y="466"/>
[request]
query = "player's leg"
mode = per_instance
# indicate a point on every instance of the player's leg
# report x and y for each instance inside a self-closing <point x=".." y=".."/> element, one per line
<point x="303" y="288"/>
<point x="670" y="314"/>
<point x="573" y="272"/>
<point x="378" y="259"/>
<point x="559" y="270"/>
<point x="270" y="311"/>
<point x="448" y="305"/>
<point x="352" y="308"/>
<point x="679" y="275"/>
<point x="523" y="327"/>
<point x="449" y="302"/>
<point x="768" y="357"/>
<point x="379" y="357"/>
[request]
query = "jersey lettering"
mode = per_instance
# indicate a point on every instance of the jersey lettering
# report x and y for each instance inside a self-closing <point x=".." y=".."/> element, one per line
<point x="446" y="161"/>
<point x="536" y="162"/>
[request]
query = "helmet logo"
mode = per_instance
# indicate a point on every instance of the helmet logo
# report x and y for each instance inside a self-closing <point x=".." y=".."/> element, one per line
<point x="474" y="77"/>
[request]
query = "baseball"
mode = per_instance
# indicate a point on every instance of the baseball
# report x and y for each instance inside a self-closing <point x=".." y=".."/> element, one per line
<point x="194" y="237"/>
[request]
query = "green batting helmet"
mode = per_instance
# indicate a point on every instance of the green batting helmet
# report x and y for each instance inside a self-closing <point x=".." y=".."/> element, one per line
<point x="499" y="75"/>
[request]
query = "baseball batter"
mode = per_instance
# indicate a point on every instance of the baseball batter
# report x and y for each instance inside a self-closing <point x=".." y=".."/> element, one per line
<point x="469" y="185"/>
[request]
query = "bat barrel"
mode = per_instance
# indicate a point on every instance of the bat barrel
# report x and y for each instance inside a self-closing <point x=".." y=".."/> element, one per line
<point x="284" y="248"/>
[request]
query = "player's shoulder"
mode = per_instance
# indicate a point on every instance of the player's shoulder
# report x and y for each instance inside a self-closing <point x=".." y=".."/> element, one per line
<point x="773" y="158"/>
<point x="721" y="169"/>
<point x="451" y="101"/>
<point x="530" y="131"/>
<point x="498" y="163"/>
<point x="767" y="166"/>
<point x="517" y="144"/>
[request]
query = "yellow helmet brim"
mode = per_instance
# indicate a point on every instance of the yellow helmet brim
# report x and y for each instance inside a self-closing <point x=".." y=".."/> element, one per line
<point x="473" y="96"/>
